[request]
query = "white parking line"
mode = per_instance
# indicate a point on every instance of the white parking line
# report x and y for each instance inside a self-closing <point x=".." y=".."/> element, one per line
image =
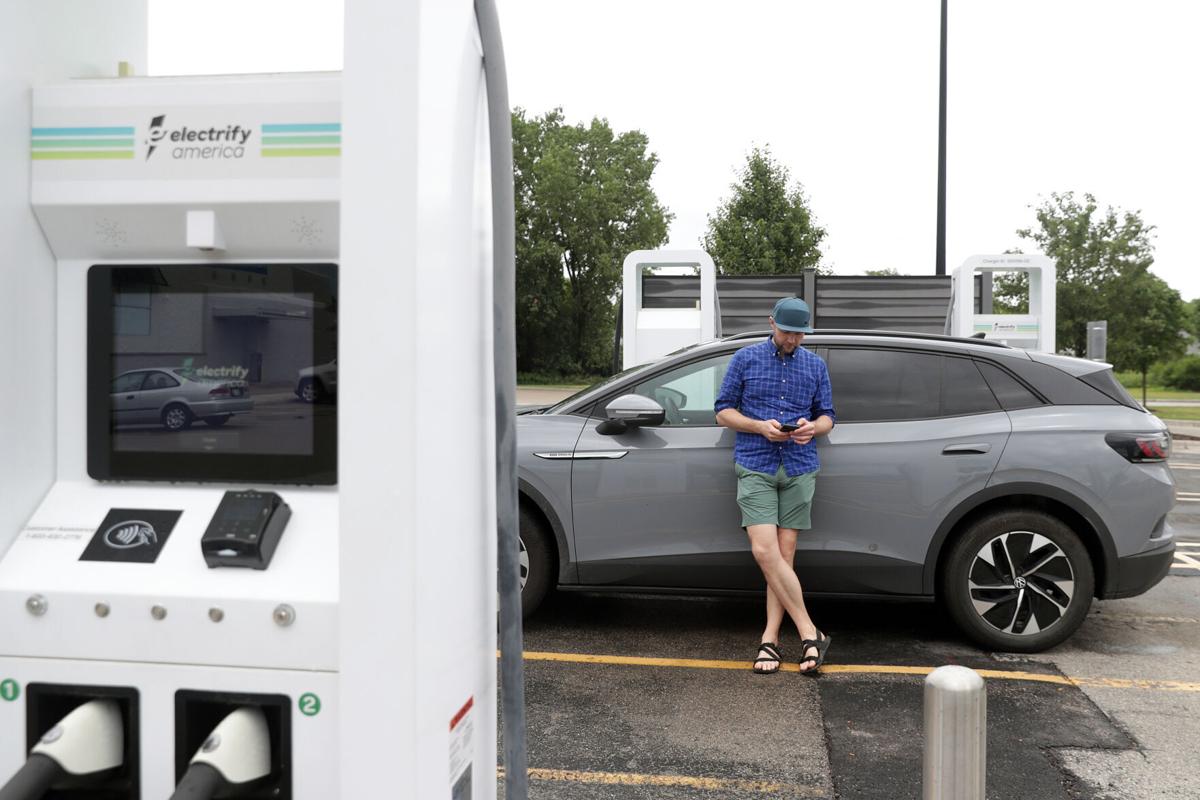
<point x="1187" y="556"/>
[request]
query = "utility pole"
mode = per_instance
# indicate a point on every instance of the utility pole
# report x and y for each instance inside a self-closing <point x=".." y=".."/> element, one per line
<point x="941" y="188"/>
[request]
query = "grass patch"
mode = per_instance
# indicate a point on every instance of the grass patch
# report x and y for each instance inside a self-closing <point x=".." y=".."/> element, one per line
<point x="554" y="380"/>
<point x="1133" y="382"/>
<point x="1176" y="412"/>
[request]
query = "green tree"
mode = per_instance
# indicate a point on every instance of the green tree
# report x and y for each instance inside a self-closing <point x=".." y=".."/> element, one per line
<point x="1091" y="250"/>
<point x="1146" y="321"/>
<point x="1191" y="318"/>
<point x="765" y="227"/>
<point x="583" y="202"/>
<point x="886" y="272"/>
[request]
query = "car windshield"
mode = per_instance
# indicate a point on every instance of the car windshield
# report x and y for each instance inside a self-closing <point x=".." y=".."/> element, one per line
<point x="610" y="379"/>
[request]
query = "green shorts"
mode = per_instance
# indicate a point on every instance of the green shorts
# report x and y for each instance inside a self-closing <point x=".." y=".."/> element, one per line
<point x="775" y="500"/>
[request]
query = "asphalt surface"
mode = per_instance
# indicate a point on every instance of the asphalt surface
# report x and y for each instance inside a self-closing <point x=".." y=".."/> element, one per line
<point x="652" y="697"/>
<point x="280" y="424"/>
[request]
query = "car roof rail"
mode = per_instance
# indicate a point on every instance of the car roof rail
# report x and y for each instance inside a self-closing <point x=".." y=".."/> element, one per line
<point x="937" y="337"/>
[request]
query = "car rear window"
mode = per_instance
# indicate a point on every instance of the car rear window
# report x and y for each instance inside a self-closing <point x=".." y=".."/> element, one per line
<point x="1011" y="393"/>
<point x="1103" y="380"/>
<point x="881" y="384"/>
<point x="964" y="390"/>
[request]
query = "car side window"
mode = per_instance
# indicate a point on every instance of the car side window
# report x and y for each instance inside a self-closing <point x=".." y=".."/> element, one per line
<point x="876" y="384"/>
<point x="160" y="380"/>
<point x="1011" y="393"/>
<point x="688" y="393"/>
<point x="964" y="390"/>
<point x="130" y="382"/>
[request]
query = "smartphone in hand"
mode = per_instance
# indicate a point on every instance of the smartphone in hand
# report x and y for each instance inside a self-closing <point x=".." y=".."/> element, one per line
<point x="788" y="427"/>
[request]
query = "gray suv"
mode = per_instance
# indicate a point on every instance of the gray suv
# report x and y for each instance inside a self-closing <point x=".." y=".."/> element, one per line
<point x="1013" y="486"/>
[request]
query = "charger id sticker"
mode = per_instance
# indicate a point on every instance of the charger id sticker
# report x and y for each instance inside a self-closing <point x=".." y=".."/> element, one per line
<point x="132" y="535"/>
<point x="461" y="729"/>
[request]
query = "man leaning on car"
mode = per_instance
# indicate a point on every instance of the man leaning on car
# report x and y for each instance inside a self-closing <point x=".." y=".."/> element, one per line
<point x="777" y="396"/>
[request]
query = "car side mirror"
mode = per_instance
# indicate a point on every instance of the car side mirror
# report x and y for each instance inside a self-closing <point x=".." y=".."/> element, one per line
<point x="630" y="411"/>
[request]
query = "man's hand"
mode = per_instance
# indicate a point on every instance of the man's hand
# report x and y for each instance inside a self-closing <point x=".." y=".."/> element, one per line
<point x="769" y="428"/>
<point x="804" y="433"/>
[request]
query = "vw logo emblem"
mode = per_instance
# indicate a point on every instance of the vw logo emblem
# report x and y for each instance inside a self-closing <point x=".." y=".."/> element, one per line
<point x="1019" y="583"/>
<point x="130" y="534"/>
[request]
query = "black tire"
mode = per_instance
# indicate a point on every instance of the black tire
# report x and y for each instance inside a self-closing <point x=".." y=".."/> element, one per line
<point x="309" y="390"/>
<point x="176" y="417"/>
<point x="216" y="422"/>
<point x="1023" y="610"/>
<point x="539" y="570"/>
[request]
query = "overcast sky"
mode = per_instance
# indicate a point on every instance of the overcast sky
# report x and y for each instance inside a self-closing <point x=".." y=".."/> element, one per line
<point x="1045" y="96"/>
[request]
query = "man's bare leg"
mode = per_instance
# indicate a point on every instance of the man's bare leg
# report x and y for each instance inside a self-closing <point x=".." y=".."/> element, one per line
<point x="781" y="579"/>
<point x="787" y="551"/>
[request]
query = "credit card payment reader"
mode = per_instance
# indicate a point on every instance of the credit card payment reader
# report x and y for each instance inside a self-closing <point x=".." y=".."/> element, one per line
<point x="245" y="530"/>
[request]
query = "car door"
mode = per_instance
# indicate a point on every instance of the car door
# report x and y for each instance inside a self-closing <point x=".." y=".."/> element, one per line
<point x="656" y="506"/>
<point x="157" y="391"/>
<point x="917" y="432"/>
<point x="126" y="397"/>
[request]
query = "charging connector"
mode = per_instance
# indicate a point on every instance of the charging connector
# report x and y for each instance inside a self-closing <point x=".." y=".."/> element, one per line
<point x="90" y="741"/>
<point x="236" y="753"/>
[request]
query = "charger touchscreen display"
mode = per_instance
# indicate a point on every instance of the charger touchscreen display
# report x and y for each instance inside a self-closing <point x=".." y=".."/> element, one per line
<point x="209" y="372"/>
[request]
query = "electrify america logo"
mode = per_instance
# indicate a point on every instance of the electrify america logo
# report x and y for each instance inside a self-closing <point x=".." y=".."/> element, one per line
<point x="187" y="143"/>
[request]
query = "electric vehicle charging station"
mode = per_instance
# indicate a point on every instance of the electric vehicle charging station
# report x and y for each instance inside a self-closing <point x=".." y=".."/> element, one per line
<point x="355" y="210"/>
<point x="1031" y="331"/>
<point x="653" y="332"/>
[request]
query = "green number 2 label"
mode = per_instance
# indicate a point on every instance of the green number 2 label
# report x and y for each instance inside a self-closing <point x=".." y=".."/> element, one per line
<point x="310" y="704"/>
<point x="10" y="690"/>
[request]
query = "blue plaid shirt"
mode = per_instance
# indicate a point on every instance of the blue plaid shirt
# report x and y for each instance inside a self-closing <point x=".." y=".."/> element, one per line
<point x="764" y="383"/>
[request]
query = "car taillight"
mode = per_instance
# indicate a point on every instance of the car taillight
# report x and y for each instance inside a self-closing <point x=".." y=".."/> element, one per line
<point x="220" y="390"/>
<point x="1141" y="447"/>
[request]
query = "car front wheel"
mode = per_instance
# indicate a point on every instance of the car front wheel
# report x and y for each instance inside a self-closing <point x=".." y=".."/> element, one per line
<point x="1018" y="581"/>
<point x="537" y="562"/>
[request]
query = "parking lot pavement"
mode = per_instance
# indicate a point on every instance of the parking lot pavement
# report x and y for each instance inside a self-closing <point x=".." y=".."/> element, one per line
<point x="667" y="706"/>
<point x="652" y="697"/>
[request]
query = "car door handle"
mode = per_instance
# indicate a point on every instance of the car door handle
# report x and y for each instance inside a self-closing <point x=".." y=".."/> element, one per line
<point x="976" y="448"/>
<point x="582" y="455"/>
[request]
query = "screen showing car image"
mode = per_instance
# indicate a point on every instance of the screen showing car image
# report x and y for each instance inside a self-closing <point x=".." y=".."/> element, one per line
<point x="214" y="372"/>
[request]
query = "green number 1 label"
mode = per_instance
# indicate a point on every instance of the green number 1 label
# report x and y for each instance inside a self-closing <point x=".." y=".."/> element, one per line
<point x="9" y="690"/>
<point x="310" y="704"/>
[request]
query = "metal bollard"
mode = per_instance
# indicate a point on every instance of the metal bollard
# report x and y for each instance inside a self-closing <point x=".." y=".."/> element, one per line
<point x="955" y="735"/>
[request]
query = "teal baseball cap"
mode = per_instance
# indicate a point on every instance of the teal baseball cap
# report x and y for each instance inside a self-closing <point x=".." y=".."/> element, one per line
<point x="792" y="314"/>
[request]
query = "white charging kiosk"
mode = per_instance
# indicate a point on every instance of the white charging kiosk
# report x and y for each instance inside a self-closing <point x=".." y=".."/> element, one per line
<point x="366" y="648"/>
<point x="1031" y="331"/>
<point x="648" y="333"/>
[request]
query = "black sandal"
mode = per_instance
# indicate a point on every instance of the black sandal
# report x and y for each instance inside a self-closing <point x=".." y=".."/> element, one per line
<point x="820" y="644"/>
<point x="774" y="655"/>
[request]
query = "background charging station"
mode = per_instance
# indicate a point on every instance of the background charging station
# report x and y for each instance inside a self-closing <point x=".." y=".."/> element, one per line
<point x="368" y="644"/>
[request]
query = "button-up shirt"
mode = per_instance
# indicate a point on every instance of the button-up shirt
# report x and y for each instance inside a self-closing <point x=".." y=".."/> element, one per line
<point x="763" y="382"/>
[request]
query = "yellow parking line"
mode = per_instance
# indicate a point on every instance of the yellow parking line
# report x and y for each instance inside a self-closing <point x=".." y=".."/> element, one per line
<point x="772" y="788"/>
<point x="862" y="669"/>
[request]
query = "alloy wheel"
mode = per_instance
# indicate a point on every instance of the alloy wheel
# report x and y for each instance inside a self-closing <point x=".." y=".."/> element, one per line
<point x="176" y="418"/>
<point x="523" y="560"/>
<point x="1021" y="583"/>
